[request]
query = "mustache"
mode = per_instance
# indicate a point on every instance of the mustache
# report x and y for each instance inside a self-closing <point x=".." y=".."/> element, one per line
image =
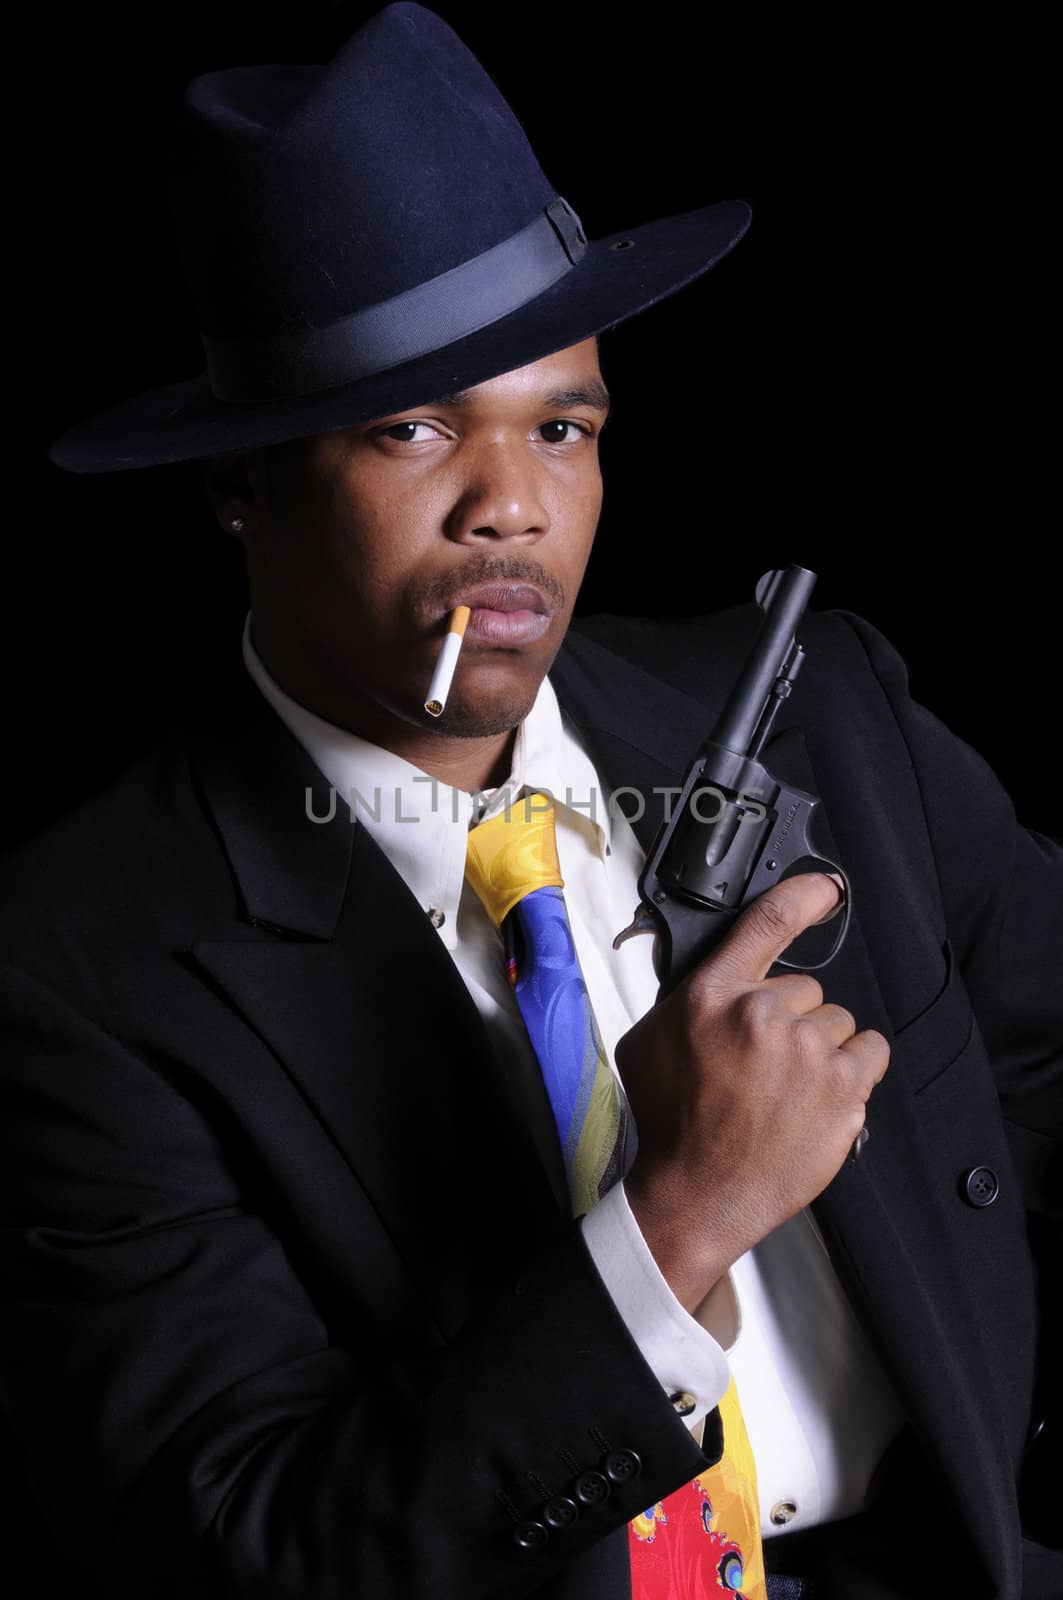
<point x="493" y="569"/>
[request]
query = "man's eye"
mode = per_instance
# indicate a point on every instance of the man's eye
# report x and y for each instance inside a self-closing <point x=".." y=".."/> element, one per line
<point x="392" y="432"/>
<point x="559" y="422"/>
<point x="395" y="426"/>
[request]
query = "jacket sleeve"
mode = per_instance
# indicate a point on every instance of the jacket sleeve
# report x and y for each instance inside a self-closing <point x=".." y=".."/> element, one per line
<point x="185" y="1417"/>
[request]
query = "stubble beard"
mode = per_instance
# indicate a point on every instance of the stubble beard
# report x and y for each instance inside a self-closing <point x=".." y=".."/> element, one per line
<point x="461" y="720"/>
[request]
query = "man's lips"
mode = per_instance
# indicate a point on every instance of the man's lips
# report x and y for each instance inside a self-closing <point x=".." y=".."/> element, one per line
<point x="505" y="613"/>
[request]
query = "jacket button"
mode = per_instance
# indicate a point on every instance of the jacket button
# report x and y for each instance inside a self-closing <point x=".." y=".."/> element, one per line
<point x="980" y="1186"/>
<point x="530" y="1535"/>
<point x="591" y="1488"/>
<point x="560" y="1512"/>
<point x="622" y="1465"/>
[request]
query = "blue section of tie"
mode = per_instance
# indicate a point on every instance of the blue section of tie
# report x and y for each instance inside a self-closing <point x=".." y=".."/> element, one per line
<point x="555" y="1006"/>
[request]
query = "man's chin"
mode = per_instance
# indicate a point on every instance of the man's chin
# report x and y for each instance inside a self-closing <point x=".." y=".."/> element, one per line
<point x="466" y="719"/>
<point x="488" y="698"/>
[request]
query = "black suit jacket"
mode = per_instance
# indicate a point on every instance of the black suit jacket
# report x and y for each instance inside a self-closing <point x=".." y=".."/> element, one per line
<point x="296" y="1307"/>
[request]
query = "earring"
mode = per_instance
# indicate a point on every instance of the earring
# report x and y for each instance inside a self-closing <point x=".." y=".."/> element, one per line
<point x="237" y="524"/>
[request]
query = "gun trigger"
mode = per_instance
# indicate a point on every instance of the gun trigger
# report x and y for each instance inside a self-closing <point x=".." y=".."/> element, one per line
<point x="642" y="922"/>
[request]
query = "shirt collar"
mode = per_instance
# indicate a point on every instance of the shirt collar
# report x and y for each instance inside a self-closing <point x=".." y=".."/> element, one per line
<point x="420" y="822"/>
<point x="549" y="755"/>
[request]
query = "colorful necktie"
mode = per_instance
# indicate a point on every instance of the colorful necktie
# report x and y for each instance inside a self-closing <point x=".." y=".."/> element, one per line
<point x="512" y="864"/>
<point x="703" y="1539"/>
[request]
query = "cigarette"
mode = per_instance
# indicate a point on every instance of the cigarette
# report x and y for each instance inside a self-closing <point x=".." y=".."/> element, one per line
<point x="443" y="676"/>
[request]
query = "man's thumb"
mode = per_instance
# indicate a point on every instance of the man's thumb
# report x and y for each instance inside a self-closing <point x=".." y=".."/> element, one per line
<point x="774" y="920"/>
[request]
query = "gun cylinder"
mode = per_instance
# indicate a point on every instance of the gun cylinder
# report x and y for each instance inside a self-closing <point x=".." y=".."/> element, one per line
<point x="713" y="862"/>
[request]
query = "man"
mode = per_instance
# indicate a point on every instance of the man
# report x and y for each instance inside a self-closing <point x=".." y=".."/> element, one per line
<point x="300" y="1305"/>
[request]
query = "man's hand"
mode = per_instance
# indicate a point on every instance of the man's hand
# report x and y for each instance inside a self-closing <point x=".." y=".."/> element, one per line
<point x="747" y="1093"/>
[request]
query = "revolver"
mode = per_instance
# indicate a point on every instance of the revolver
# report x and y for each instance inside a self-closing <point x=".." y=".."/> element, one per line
<point x="735" y="829"/>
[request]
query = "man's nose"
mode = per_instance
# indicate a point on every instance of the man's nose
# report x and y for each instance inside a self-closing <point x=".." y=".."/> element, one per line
<point x="501" y="496"/>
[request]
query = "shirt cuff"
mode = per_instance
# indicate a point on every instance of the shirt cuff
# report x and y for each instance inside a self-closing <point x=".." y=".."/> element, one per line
<point x="684" y="1356"/>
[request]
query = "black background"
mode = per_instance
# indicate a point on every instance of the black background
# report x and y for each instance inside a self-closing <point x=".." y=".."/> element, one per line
<point x="861" y="386"/>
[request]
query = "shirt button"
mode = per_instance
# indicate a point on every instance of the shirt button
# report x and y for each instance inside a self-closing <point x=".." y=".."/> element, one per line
<point x="436" y="917"/>
<point x="683" y="1403"/>
<point x="782" y="1512"/>
<point x="980" y="1186"/>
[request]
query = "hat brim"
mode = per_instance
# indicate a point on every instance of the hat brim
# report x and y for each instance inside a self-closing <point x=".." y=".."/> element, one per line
<point x="614" y="280"/>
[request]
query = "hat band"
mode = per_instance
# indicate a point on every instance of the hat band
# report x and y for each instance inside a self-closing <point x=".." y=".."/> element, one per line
<point x="428" y="317"/>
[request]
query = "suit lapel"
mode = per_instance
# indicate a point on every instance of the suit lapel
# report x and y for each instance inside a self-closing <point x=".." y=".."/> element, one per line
<point x="640" y="732"/>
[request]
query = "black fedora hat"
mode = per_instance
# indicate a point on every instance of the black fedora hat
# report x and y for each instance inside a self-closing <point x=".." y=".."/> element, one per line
<point x="364" y="236"/>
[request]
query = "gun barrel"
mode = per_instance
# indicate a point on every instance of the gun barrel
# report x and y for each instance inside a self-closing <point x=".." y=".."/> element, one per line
<point x="784" y="594"/>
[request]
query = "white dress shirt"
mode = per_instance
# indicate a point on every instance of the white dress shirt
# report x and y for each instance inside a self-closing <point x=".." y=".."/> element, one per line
<point x="818" y="1407"/>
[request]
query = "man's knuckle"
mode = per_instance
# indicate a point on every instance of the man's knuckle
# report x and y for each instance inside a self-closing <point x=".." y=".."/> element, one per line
<point x="877" y="1044"/>
<point x="756" y="1009"/>
<point x="807" y="1038"/>
<point x="842" y="1014"/>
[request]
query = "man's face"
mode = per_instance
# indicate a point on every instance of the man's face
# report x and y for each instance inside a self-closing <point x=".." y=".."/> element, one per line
<point x="362" y="540"/>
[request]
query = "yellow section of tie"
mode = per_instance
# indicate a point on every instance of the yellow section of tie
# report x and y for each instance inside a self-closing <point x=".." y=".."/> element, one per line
<point x="513" y="853"/>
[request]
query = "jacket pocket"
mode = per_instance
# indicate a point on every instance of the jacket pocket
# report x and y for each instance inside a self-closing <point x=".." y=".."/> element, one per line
<point x="927" y="1045"/>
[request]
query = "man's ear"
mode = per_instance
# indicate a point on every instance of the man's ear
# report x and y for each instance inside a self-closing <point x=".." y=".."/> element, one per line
<point x="229" y="485"/>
